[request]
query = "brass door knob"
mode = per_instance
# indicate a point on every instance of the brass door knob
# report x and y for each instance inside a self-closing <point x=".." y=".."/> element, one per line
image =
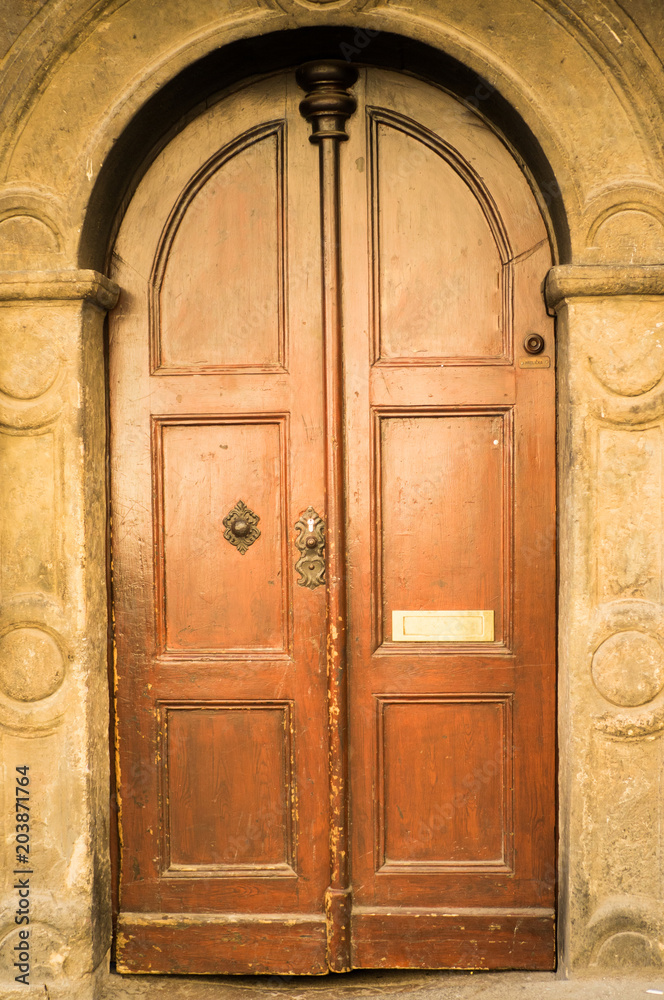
<point x="534" y="344"/>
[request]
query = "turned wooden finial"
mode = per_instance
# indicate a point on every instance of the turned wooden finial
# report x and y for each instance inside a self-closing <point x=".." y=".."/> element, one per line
<point x="328" y="103"/>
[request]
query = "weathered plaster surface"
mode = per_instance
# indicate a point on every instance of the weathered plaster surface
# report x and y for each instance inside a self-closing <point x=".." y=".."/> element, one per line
<point x="586" y="77"/>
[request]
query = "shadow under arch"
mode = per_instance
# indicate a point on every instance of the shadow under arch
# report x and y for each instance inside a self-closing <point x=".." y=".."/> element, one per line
<point x="188" y="93"/>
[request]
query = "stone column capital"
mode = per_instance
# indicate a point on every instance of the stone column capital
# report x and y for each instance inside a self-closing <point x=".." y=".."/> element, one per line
<point x="65" y="285"/>
<point x="573" y="281"/>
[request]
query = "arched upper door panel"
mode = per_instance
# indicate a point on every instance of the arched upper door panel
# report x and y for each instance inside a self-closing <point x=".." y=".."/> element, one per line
<point x="449" y="218"/>
<point x="220" y="263"/>
<point x="438" y="218"/>
<point x="450" y="215"/>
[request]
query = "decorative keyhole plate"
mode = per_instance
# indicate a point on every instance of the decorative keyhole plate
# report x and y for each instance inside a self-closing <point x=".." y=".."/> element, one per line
<point x="240" y="524"/>
<point x="311" y="543"/>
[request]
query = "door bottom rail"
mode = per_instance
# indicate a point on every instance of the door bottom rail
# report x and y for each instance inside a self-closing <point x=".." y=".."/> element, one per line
<point x="296" y="944"/>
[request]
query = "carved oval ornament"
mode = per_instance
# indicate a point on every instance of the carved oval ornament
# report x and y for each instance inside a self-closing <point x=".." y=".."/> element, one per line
<point x="31" y="664"/>
<point x="29" y="360"/>
<point x="628" y="949"/>
<point x="628" y="668"/>
<point x="627" y="363"/>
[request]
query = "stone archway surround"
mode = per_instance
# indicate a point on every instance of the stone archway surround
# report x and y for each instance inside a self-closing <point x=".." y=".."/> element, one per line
<point x="588" y="90"/>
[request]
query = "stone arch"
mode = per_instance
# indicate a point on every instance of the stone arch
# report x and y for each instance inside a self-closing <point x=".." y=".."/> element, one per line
<point x="520" y="72"/>
<point x="171" y="106"/>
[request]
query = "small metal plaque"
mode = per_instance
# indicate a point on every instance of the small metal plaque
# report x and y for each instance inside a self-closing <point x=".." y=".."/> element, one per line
<point x="442" y="626"/>
<point x="541" y="362"/>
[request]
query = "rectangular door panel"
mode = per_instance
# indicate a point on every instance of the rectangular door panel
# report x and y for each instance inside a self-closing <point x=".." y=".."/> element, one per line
<point x="240" y="944"/>
<point x="203" y="470"/>
<point x="444" y="505"/>
<point x="454" y="938"/>
<point x="444" y="783"/>
<point x="228" y="791"/>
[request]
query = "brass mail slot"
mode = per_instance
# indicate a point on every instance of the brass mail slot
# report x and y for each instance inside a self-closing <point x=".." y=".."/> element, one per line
<point x="442" y="626"/>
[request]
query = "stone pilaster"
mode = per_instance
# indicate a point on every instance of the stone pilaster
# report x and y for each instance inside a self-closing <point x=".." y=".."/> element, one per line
<point x="611" y="642"/>
<point x="53" y="626"/>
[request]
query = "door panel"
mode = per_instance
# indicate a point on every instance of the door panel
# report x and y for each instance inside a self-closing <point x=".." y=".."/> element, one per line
<point x="455" y="744"/>
<point x="229" y="790"/>
<point x="444" y="478"/>
<point x="200" y="469"/>
<point x="221" y="680"/>
<point x="218" y="291"/>
<point x="227" y="747"/>
<point x="469" y="314"/>
<point x="452" y="741"/>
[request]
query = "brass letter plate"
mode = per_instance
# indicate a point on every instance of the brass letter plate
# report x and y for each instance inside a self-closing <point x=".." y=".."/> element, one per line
<point x="535" y="362"/>
<point x="442" y="626"/>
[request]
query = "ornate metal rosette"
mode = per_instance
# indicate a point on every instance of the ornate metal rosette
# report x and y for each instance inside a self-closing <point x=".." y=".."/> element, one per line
<point x="240" y="524"/>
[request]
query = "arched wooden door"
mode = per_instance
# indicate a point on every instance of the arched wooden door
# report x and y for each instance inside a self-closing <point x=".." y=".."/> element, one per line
<point x="333" y="540"/>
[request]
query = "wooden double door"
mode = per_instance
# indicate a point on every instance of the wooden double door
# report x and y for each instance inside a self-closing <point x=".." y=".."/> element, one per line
<point x="333" y="540"/>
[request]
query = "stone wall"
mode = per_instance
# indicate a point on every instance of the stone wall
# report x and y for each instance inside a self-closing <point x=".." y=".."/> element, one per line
<point x="584" y="83"/>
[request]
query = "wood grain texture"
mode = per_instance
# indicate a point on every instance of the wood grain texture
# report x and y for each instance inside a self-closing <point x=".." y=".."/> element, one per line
<point x="178" y="945"/>
<point x="202" y="468"/>
<point x="452" y="508"/>
<point x="230" y="817"/>
<point x="444" y="784"/>
<point x="463" y="938"/>
<point x="443" y="478"/>
<point x="469" y="316"/>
